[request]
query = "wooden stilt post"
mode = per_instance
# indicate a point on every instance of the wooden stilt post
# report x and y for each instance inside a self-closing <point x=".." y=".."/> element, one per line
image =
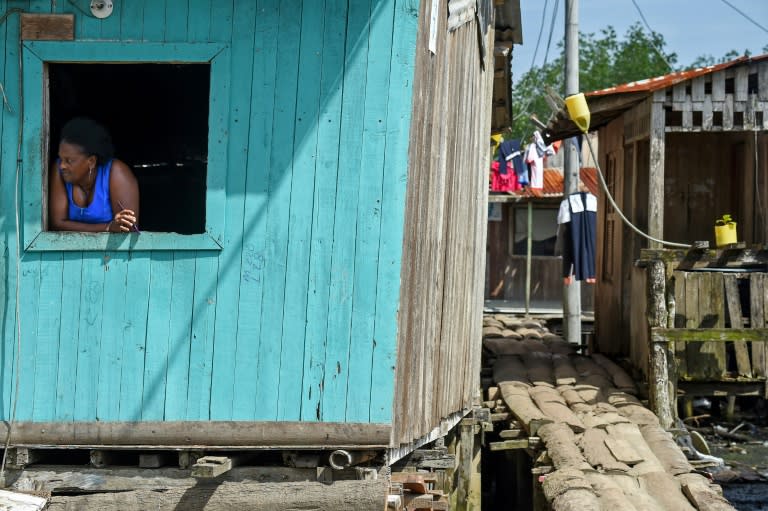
<point x="659" y="381"/>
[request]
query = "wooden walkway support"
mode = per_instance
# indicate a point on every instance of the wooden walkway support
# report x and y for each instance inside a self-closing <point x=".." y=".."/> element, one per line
<point x="715" y="339"/>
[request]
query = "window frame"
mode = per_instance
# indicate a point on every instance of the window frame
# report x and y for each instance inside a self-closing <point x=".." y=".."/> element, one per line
<point x="36" y="55"/>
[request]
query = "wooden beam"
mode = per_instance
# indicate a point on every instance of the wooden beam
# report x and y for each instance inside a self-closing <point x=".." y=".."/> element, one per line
<point x="734" y="312"/>
<point x="48" y="27"/>
<point x="656" y="175"/>
<point x="219" y="434"/>
<point x="664" y="335"/>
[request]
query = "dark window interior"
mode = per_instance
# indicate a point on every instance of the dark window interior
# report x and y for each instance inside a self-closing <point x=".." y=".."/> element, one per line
<point x="157" y="115"/>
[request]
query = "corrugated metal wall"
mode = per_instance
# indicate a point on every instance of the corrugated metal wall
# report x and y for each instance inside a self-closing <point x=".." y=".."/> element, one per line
<point x="295" y="318"/>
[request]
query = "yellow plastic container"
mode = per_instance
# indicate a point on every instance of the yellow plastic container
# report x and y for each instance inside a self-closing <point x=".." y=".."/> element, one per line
<point x="725" y="234"/>
<point x="578" y="110"/>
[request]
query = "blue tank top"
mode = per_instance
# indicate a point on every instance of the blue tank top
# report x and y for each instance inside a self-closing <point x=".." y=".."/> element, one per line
<point x="99" y="211"/>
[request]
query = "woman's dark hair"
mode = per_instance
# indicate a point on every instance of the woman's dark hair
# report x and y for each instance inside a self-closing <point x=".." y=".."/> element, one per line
<point x="91" y="136"/>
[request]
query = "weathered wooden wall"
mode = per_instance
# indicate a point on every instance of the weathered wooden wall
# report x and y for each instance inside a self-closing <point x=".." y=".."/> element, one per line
<point x="438" y="358"/>
<point x="676" y="161"/>
<point x="295" y="318"/>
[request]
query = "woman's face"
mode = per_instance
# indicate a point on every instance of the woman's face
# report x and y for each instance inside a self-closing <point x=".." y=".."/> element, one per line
<point x="74" y="163"/>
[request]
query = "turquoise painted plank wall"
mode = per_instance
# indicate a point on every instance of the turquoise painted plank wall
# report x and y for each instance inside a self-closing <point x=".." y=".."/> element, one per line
<point x="295" y="317"/>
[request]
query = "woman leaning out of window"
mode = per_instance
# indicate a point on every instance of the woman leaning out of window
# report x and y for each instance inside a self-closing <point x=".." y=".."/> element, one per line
<point x="91" y="191"/>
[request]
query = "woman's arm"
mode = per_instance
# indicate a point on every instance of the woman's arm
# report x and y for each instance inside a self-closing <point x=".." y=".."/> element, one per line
<point x="58" y="207"/>
<point x="124" y="194"/>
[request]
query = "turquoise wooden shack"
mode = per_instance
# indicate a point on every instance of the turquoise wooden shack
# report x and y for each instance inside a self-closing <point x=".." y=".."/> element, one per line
<point x="309" y="268"/>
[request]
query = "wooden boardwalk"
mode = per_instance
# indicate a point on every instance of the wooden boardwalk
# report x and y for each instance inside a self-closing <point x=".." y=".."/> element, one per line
<point x="593" y="443"/>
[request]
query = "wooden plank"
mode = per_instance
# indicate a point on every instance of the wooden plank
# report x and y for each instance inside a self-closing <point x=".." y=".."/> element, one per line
<point x="707" y="360"/>
<point x="714" y="335"/>
<point x="155" y="241"/>
<point x="47" y="345"/>
<point x="131" y="19"/>
<point x="678" y="92"/>
<point x="656" y="175"/>
<point x="154" y="21"/>
<point x="741" y="81"/>
<point x="115" y="268"/>
<point x="250" y="260"/>
<point x="366" y="262"/>
<point x="762" y="78"/>
<point x="253" y="277"/>
<point x="276" y="236"/>
<point x="697" y="88"/>
<point x="157" y="335"/>
<point x="334" y="402"/>
<point x="89" y="337"/>
<point x="733" y="301"/>
<point x="292" y="390"/>
<point x="316" y="363"/>
<point x="176" y="16"/>
<point x="51" y="27"/>
<point x="199" y="20"/>
<point x="133" y="340"/>
<point x="179" y="331"/>
<point x="201" y="353"/>
<point x="236" y="24"/>
<point x="718" y="86"/>
<point x="758" y="314"/>
<point x="72" y="264"/>
<point x="681" y="320"/>
<point x="728" y="111"/>
<point x="222" y="434"/>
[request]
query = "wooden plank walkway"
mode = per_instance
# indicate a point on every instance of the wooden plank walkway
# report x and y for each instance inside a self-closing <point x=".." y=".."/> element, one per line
<point x="593" y="442"/>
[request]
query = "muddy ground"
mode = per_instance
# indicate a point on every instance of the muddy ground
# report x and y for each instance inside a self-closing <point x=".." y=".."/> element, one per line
<point x="743" y="444"/>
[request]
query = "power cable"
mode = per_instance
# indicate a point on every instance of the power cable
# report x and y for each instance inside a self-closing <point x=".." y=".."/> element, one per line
<point x="729" y="4"/>
<point x="653" y="43"/>
<point x="616" y="207"/>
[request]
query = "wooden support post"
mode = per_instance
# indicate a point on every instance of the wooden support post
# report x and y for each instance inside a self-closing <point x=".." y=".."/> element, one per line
<point x="101" y="459"/>
<point x="21" y="457"/>
<point x="659" y="391"/>
<point x="743" y="365"/>
<point x="656" y="171"/>
<point x="466" y="441"/>
<point x="189" y="458"/>
<point x="730" y="408"/>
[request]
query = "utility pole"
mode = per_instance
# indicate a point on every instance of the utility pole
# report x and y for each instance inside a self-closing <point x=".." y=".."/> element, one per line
<point x="572" y="292"/>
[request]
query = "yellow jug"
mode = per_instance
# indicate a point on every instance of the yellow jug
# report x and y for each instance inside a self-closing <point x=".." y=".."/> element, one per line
<point x="725" y="234"/>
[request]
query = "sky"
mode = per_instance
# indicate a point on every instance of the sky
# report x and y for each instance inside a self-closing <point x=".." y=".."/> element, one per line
<point x="690" y="27"/>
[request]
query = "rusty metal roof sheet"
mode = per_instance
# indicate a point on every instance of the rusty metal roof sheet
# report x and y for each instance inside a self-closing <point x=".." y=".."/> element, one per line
<point x="607" y="104"/>
<point x="554" y="183"/>
<point x="668" y="80"/>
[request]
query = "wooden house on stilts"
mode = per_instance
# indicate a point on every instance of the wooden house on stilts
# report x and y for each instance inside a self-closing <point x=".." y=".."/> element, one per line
<point x="309" y="271"/>
<point x="678" y="152"/>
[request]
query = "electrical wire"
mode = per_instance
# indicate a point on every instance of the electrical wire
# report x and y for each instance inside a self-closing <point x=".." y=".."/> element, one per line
<point x="618" y="210"/>
<point x="729" y="4"/>
<point x="760" y="212"/>
<point x="524" y="110"/>
<point x="17" y="201"/>
<point x="658" y="51"/>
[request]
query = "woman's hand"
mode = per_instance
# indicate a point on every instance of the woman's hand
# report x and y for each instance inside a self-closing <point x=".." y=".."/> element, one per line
<point x="124" y="221"/>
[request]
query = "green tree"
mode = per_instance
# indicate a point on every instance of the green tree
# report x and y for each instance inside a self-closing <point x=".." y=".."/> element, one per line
<point x="604" y="61"/>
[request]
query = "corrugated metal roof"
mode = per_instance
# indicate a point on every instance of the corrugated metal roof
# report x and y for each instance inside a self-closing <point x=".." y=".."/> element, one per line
<point x="607" y="104"/>
<point x="668" y="80"/>
<point x="554" y="183"/>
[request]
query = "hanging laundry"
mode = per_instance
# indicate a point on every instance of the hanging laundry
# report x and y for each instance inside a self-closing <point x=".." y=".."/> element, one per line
<point x="535" y="163"/>
<point x="509" y="151"/>
<point x="578" y="219"/>
<point x="506" y="182"/>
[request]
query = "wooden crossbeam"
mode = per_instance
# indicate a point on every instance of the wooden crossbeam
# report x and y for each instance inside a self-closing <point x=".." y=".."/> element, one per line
<point x="708" y="334"/>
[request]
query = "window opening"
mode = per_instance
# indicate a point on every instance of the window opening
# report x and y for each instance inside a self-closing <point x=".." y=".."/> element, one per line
<point x="157" y="115"/>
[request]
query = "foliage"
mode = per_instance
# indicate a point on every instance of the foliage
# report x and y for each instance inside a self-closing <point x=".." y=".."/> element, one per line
<point x="604" y="61"/>
<point x="724" y="220"/>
